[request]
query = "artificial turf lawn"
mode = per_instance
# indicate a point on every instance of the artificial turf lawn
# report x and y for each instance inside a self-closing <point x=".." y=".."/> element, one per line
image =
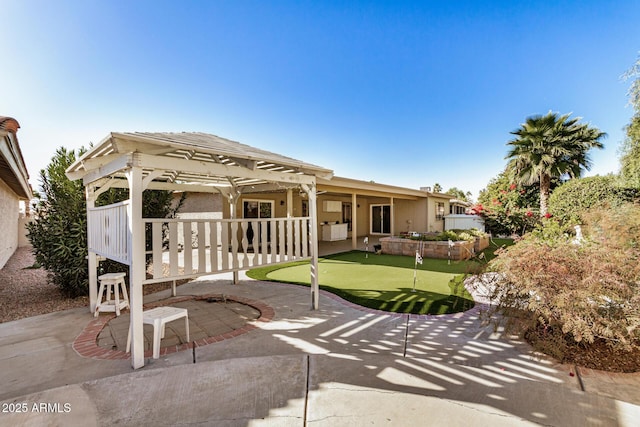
<point x="385" y="282"/>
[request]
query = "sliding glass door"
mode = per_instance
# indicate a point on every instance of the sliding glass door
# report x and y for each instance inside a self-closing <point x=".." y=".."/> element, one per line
<point x="380" y="219"/>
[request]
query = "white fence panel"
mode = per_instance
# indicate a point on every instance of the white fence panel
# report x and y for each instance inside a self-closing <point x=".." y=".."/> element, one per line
<point x="108" y="232"/>
<point x="463" y="222"/>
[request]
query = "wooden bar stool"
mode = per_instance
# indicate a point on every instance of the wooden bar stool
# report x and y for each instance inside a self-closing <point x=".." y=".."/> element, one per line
<point x="112" y="283"/>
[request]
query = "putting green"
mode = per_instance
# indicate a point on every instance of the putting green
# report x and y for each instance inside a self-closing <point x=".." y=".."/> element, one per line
<point x="384" y="283"/>
<point x="347" y="275"/>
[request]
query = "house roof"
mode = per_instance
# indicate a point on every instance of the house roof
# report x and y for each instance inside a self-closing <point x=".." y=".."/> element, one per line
<point x="459" y="202"/>
<point x="190" y="158"/>
<point x="12" y="167"/>
<point x="342" y="185"/>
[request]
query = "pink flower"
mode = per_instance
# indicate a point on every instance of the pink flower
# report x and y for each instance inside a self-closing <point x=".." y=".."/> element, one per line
<point x="529" y="214"/>
<point x="548" y="215"/>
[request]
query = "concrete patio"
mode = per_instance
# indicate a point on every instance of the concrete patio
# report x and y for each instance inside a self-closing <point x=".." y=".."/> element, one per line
<point x="340" y="365"/>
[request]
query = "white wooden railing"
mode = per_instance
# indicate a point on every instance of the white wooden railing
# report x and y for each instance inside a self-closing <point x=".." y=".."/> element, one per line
<point x="234" y="244"/>
<point x="207" y="246"/>
<point x="108" y="231"/>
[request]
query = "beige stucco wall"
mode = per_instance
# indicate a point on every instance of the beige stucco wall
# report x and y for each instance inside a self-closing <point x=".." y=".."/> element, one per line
<point x="410" y="215"/>
<point x="362" y="216"/>
<point x="22" y="231"/>
<point x="436" y="225"/>
<point x="9" y="214"/>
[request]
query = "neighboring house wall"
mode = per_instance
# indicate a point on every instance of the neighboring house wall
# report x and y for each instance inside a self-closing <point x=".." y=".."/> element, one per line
<point x="198" y="206"/>
<point x="14" y="187"/>
<point x="200" y="203"/>
<point x="9" y="214"/>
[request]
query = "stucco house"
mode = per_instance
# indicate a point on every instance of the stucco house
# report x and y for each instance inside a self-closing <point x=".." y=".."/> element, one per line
<point x="347" y="209"/>
<point x="14" y="188"/>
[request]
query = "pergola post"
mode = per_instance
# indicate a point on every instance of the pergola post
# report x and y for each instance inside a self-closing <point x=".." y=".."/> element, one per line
<point x="289" y="202"/>
<point x="91" y="256"/>
<point x="392" y="220"/>
<point x="354" y="222"/>
<point x="313" y="226"/>
<point x="233" y="195"/>
<point x="137" y="264"/>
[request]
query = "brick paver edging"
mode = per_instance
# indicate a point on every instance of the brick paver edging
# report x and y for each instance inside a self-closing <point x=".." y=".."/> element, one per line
<point x="86" y="344"/>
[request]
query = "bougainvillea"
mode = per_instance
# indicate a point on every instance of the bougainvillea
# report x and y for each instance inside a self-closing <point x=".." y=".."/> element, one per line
<point x="507" y="207"/>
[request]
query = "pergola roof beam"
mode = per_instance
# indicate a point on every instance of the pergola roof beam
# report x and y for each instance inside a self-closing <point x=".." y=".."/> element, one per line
<point x="209" y="168"/>
<point x="188" y="158"/>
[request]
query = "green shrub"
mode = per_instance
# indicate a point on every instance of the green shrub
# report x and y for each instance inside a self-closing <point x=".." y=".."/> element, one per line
<point x="472" y="231"/>
<point x="477" y="233"/>
<point x="58" y="232"/>
<point x="572" y="199"/>
<point x="454" y="235"/>
<point x="466" y="236"/>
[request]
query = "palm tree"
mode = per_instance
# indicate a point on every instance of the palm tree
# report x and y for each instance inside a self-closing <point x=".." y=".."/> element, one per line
<point x="551" y="146"/>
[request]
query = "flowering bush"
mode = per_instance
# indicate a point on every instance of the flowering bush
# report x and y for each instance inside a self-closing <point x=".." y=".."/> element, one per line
<point x="507" y="207"/>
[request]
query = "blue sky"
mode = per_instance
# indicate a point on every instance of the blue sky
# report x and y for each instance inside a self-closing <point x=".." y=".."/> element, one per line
<point x="402" y="93"/>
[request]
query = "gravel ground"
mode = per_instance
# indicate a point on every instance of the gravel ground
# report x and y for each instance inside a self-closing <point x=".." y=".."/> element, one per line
<point x="26" y="292"/>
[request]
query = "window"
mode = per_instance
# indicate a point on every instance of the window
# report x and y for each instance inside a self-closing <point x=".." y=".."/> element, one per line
<point x="257" y="209"/>
<point x="457" y="209"/>
<point x="439" y="211"/>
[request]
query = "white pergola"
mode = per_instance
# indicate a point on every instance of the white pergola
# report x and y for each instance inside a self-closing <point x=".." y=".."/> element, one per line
<point x="192" y="162"/>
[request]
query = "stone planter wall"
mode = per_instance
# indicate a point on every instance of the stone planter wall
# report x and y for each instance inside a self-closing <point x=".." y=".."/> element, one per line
<point x="481" y="243"/>
<point x="398" y="246"/>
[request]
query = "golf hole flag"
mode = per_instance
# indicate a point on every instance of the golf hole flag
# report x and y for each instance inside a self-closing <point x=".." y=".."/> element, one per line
<point x="415" y="270"/>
